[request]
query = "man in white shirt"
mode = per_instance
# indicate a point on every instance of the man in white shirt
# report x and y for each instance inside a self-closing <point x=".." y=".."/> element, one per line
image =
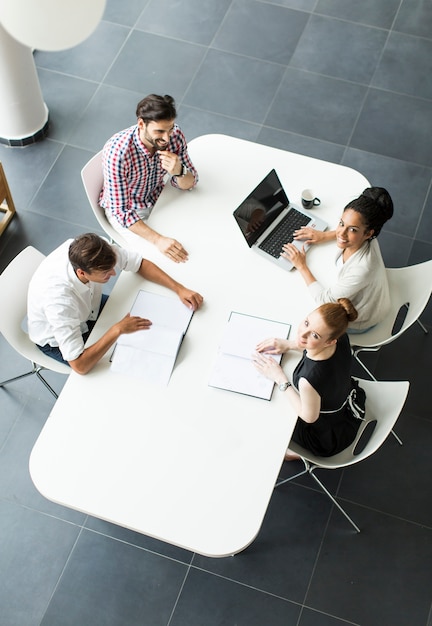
<point x="65" y="298"/>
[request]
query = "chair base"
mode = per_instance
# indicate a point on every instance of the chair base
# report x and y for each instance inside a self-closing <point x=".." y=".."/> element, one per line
<point x="309" y="469"/>
<point x="36" y="369"/>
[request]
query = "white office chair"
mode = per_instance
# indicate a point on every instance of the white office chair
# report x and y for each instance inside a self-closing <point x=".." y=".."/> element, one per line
<point x="92" y="177"/>
<point x="384" y="402"/>
<point x="14" y="282"/>
<point x="410" y="290"/>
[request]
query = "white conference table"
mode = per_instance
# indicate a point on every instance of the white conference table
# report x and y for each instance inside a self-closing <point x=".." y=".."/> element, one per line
<point x="189" y="464"/>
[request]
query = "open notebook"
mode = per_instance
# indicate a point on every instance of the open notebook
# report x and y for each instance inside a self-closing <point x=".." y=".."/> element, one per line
<point x="233" y="369"/>
<point x="151" y="354"/>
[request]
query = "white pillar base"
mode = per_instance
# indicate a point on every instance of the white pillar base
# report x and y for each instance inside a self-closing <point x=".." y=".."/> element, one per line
<point x="23" y="113"/>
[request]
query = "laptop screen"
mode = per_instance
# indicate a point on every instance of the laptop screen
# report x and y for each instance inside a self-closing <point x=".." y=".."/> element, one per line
<point x="261" y="207"/>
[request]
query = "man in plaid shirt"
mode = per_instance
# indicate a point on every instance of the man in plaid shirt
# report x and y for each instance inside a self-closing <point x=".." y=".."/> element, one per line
<point x="137" y="162"/>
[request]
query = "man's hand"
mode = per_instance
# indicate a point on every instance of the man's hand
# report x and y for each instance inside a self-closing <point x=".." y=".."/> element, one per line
<point x="170" y="162"/>
<point x="132" y="323"/>
<point x="192" y="299"/>
<point x="172" y="249"/>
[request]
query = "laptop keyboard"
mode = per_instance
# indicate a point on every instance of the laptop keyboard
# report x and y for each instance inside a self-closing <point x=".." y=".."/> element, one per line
<point x="283" y="233"/>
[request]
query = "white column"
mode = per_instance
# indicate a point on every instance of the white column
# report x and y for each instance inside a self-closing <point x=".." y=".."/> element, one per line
<point x="42" y="25"/>
<point x="23" y="113"/>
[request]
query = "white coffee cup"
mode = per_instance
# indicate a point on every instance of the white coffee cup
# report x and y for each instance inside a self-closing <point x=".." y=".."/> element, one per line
<point x="309" y="200"/>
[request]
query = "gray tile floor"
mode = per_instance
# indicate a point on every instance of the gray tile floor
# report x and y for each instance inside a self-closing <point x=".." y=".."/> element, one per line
<point x="341" y="80"/>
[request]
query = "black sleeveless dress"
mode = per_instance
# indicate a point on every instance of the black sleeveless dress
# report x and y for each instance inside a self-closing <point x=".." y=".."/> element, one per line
<point x="331" y="379"/>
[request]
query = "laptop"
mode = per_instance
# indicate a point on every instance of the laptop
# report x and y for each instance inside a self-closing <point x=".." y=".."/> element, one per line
<point x="268" y="220"/>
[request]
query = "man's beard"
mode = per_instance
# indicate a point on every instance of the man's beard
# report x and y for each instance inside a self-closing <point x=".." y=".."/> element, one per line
<point x="158" y="144"/>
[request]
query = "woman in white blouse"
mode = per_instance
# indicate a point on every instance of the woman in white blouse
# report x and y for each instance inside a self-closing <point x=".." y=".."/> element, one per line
<point x="361" y="276"/>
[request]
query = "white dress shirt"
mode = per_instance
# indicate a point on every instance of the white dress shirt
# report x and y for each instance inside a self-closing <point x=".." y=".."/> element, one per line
<point x="59" y="304"/>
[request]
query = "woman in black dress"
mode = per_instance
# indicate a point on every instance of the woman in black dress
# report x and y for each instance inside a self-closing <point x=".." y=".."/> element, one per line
<point x="321" y="381"/>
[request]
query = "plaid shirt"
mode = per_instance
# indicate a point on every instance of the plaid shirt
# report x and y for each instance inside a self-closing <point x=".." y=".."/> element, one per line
<point x="134" y="178"/>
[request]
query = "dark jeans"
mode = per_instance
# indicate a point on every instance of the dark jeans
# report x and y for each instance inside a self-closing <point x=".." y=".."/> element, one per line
<point x="54" y="351"/>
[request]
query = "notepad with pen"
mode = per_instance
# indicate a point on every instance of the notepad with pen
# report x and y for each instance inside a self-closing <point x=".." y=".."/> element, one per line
<point x="233" y="369"/>
<point x="151" y="354"/>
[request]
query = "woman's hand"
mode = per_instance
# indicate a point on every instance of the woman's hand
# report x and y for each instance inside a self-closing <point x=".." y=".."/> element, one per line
<point x="309" y="235"/>
<point x="268" y="367"/>
<point x="273" y="345"/>
<point x="296" y="256"/>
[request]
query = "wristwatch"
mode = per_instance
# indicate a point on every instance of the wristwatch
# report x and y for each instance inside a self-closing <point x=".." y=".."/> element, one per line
<point x="284" y="386"/>
<point x="183" y="172"/>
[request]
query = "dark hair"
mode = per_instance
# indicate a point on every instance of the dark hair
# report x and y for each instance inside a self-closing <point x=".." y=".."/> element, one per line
<point x="90" y="253"/>
<point x="337" y="315"/>
<point x="154" y="108"/>
<point x="375" y="206"/>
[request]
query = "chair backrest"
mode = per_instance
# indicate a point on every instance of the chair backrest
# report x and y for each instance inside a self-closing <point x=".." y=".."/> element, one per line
<point x="92" y="177"/>
<point x="384" y="402"/>
<point x="14" y="282"/>
<point x="410" y="286"/>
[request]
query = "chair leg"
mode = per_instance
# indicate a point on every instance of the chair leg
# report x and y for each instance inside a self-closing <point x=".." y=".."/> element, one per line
<point x="46" y="383"/>
<point x="360" y="362"/>
<point x="11" y="380"/>
<point x="333" y="499"/>
<point x="287" y="480"/>
<point x="425" y="330"/>
<point x="36" y="370"/>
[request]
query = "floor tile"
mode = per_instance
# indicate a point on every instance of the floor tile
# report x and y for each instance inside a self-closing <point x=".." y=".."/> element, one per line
<point x="111" y="109"/>
<point x="316" y="618"/>
<point x="394" y="125"/>
<point x="287" y="542"/>
<point x="116" y="584"/>
<point x="420" y="252"/>
<point x="414" y="18"/>
<point x="386" y="565"/>
<point x="395" y="249"/>
<point x="66" y="98"/>
<point x="298" y="106"/>
<point x="18" y="162"/>
<point x="406" y="182"/>
<point x="226" y="84"/>
<point x="12" y="403"/>
<point x="424" y="231"/>
<point x="169" y="65"/>
<point x="16" y="484"/>
<point x="404" y="357"/>
<point x="319" y="49"/>
<point x="125" y="12"/>
<point x="301" y="145"/>
<point x="261" y="30"/>
<point x="404" y="65"/>
<point x="302" y="5"/>
<point x="34" y="549"/>
<point x="195" y="123"/>
<point x="90" y="59"/>
<point x="194" y="21"/>
<point x="307" y="567"/>
<point x="62" y="194"/>
<point x="138" y="539"/>
<point x="370" y="12"/>
<point x="212" y="600"/>
<point x="384" y="482"/>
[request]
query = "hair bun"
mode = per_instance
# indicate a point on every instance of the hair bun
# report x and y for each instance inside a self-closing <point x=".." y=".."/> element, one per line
<point x="350" y="310"/>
